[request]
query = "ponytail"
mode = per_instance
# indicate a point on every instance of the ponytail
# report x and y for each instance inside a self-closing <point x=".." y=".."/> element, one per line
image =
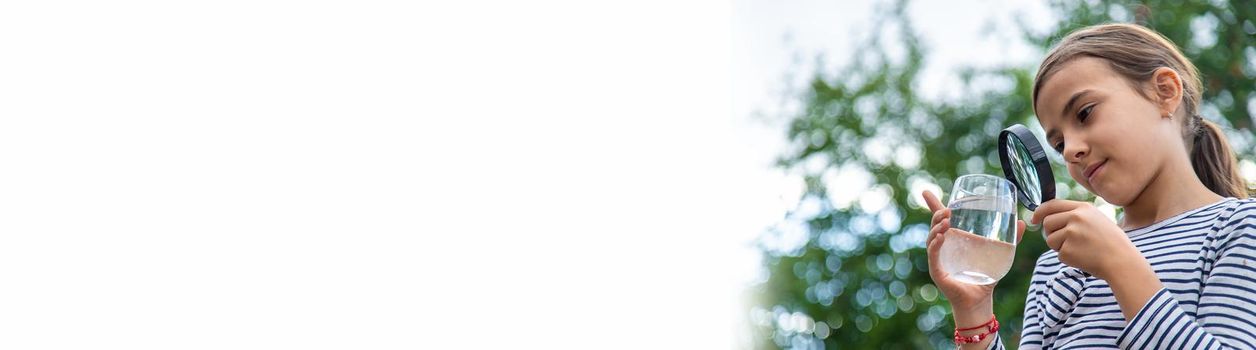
<point x="1214" y="162"/>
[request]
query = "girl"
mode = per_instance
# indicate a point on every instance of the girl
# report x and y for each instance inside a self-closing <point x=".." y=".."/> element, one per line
<point x="1120" y="104"/>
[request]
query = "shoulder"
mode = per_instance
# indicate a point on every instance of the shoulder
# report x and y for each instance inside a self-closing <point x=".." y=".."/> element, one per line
<point x="1240" y="211"/>
<point x="1236" y="222"/>
<point x="1238" y="215"/>
<point x="1048" y="265"/>
<point x="1047" y="258"/>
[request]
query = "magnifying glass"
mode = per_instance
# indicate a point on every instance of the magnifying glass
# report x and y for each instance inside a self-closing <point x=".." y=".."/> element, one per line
<point x="1025" y="165"/>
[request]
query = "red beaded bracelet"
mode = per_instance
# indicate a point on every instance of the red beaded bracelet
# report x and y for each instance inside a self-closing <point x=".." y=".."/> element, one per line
<point x="991" y="327"/>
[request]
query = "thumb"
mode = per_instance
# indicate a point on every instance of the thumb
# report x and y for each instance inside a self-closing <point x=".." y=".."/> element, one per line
<point x="1020" y="230"/>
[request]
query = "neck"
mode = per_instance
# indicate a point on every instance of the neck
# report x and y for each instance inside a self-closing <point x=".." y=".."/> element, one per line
<point x="1173" y="191"/>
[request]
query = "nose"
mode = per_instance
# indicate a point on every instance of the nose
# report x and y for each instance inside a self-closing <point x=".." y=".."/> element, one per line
<point x="1075" y="150"/>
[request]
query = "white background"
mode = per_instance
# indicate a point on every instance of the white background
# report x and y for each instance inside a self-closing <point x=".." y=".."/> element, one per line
<point x="367" y="174"/>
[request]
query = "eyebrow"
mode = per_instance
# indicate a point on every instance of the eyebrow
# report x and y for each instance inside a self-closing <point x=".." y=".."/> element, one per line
<point x="1068" y="106"/>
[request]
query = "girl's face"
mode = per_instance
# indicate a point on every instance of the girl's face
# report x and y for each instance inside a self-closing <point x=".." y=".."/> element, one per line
<point x="1113" y="139"/>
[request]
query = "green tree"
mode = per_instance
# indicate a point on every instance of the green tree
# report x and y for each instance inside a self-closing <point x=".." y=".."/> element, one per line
<point x="859" y="276"/>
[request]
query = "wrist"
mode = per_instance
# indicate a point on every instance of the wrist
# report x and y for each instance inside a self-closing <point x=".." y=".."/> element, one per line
<point x="974" y="315"/>
<point x="978" y="339"/>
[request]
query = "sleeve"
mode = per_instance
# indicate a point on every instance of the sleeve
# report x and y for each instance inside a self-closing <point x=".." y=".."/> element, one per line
<point x="1031" y="333"/>
<point x="1227" y="303"/>
<point x="997" y="343"/>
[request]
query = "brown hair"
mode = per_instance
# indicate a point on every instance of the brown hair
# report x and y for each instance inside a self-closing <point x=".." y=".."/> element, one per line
<point x="1135" y="52"/>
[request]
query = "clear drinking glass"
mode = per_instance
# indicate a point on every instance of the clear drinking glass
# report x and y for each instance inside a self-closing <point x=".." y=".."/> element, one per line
<point x="980" y="247"/>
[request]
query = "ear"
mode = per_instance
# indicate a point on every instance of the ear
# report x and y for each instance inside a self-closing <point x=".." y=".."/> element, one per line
<point x="1167" y="85"/>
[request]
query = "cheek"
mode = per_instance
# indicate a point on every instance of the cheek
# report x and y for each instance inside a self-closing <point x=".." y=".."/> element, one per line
<point x="1130" y="140"/>
<point x="1132" y="168"/>
<point x="1131" y="159"/>
<point x="1125" y="179"/>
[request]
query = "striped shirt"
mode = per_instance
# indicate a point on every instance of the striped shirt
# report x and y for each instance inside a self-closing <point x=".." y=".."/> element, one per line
<point x="1206" y="259"/>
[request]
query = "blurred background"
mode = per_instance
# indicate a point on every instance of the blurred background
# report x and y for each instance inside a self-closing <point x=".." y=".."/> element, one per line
<point x="866" y="104"/>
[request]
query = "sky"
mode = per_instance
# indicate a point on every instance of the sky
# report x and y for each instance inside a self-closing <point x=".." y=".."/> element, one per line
<point x="384" y="174"/>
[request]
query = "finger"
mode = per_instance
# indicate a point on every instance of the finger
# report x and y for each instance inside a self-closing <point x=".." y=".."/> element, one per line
<point x="1056" y="221"/>
<point x="938" y="230"/>
<point x="933" y="250"/>
<point x="941" y="214"/>
<point x="1020" y="230"/>
<point x="932" y="201"/>
<point x="1056" y="239"/>
<point x="1053" y="206"/>
<point x="933" y="231"/>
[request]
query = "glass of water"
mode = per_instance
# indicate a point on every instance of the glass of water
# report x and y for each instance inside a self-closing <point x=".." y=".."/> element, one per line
<point x="980" y="247"/>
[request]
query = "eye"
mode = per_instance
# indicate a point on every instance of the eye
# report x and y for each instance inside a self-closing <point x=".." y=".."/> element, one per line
<point x="1084" y="114"/>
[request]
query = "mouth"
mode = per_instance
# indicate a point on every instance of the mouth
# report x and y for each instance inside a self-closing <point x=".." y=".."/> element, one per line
<point x="1092" y="170"/>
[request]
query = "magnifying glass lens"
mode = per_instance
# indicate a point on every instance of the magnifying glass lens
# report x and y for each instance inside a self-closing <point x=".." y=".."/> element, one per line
<point x="1025" y="164"/>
